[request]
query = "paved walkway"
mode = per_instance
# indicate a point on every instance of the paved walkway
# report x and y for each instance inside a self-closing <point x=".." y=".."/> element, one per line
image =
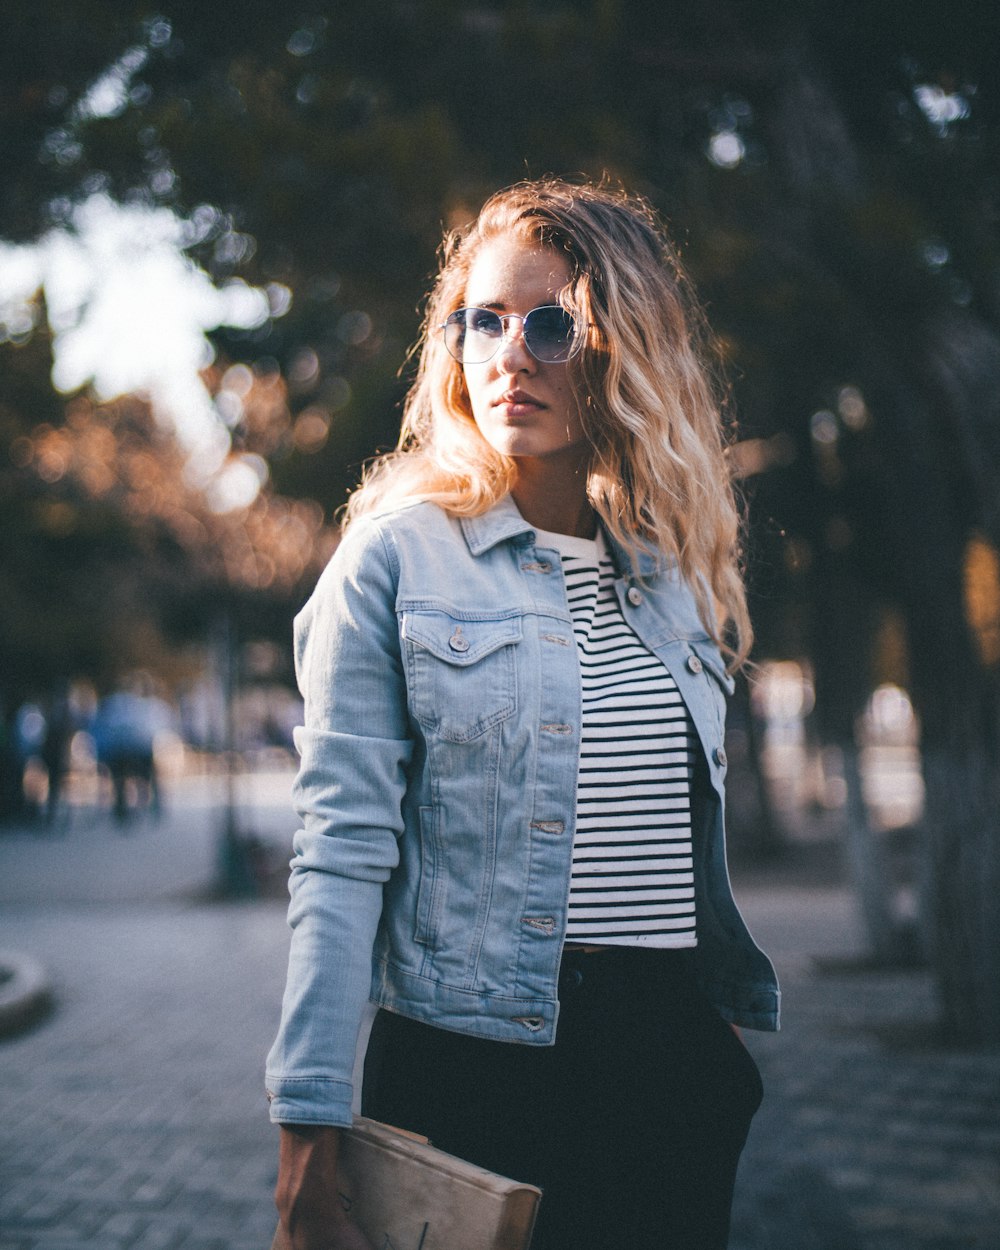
<point x="871" y="1137"/>
<point x="133" y="1116"/>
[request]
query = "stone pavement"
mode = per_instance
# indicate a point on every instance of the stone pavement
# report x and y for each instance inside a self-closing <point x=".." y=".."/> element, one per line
<point x="133" y="1116"/>
<point x="872" y="1136"/>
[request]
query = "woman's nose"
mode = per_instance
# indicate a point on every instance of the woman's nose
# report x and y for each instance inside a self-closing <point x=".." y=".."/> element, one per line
<point x="513" y="356"/>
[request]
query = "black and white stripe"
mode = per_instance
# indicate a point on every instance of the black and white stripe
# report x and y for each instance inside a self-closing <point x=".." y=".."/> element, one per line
<point x="632" y="882"/>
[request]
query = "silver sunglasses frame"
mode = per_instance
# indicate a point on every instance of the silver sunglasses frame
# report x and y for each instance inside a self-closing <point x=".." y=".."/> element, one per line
<point x="503" y="318"/>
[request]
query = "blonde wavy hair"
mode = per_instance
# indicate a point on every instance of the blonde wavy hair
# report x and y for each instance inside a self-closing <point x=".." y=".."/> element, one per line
<point x="651" y="407"/>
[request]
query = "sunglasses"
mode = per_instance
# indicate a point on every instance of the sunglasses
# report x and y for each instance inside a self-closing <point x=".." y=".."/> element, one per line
<point x="474" y="335"/>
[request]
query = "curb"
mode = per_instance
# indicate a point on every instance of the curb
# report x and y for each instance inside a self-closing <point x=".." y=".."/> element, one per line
<point x="25" y="992"/>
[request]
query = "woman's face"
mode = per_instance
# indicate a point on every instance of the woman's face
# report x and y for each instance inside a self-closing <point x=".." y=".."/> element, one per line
<point x="523" y="407"/>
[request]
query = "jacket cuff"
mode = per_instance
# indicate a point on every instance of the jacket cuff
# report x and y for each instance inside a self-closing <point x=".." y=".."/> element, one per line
<point x="309" y="1100"/>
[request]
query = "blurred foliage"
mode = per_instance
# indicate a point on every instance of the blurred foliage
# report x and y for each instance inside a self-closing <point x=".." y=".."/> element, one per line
<point x="840" y="224"/>
<point x="111" y="558"/>
<point x="838" y="219"/>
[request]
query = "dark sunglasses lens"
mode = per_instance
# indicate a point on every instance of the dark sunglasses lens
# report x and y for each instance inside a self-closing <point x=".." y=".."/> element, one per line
<point x="472" y="335"/>
<point x="549" y="333"/>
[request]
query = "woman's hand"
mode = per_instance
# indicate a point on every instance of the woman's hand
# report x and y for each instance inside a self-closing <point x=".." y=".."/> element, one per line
<point x="310" y="1212"/>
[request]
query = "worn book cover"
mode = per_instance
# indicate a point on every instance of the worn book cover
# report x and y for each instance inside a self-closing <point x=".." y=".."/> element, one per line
<point x="406" y="1195"/>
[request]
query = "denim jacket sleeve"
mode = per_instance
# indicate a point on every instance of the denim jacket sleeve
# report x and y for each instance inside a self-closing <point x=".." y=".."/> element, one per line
<point x="354" y="746"/>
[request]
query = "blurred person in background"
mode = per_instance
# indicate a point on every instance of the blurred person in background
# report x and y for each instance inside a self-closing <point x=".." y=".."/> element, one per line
<point x="125" y="728"/>
<point x="60" y="725"/>
<point x="512" y="767"/>
<point x="28" y="743"/>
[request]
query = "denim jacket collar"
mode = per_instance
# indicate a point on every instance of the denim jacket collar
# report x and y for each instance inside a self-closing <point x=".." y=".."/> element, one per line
<point x="504" y="521"/>
<point x="646" y="564"/>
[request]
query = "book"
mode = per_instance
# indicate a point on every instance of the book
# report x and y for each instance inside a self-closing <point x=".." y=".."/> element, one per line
<point x="404" y="1194"/>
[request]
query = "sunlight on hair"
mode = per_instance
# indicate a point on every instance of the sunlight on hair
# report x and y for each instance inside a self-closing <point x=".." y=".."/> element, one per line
<point x="658" y="478"/>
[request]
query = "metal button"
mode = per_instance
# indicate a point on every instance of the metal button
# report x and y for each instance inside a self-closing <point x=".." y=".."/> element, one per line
<point x="457" y="642"/>
<point x="694" y="664"/>
<point x="634" y="596"/>
<point x="720" y="756"/>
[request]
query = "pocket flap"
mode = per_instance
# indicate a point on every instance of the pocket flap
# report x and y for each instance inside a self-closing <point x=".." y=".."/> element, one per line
<point x="460" y="641"/>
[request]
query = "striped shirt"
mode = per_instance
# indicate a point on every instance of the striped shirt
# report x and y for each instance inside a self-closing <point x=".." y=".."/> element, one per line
<point x="632" y="881"/>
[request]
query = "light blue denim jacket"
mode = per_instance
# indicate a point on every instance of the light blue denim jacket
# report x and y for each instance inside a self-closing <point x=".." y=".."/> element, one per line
<point x="437" y="791"/>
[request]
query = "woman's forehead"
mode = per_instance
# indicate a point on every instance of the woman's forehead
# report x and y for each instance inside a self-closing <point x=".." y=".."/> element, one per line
<point x="509" y="272"/>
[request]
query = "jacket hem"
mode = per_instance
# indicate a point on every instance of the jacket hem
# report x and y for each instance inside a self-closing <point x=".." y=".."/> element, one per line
<point x="309" y="1100"/>
<point x="493" y="1017"/>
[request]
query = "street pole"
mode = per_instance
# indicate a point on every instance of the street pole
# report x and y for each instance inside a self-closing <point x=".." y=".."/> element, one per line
<point x="234" y="877"/>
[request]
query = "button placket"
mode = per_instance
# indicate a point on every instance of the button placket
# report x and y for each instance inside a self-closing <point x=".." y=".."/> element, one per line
<point x="557" y="737"/>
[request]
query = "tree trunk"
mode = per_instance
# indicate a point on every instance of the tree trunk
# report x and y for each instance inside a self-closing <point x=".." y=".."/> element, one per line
<point x="963" y="824"/>
<point x="958" y="702"/>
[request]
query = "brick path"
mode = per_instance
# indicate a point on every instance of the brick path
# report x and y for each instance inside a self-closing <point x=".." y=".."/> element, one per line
<point x="871" y="1137"/>
<point x="133" y="1116"/>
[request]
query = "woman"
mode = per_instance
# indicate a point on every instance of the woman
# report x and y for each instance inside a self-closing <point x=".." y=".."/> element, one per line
<point x="512" y="762"/>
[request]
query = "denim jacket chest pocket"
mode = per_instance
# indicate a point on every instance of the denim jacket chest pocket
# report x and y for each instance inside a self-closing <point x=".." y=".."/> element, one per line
<point x="461" y="670"/>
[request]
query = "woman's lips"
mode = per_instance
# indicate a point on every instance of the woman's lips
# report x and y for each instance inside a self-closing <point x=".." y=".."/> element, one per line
<point x="518" y="404"/>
